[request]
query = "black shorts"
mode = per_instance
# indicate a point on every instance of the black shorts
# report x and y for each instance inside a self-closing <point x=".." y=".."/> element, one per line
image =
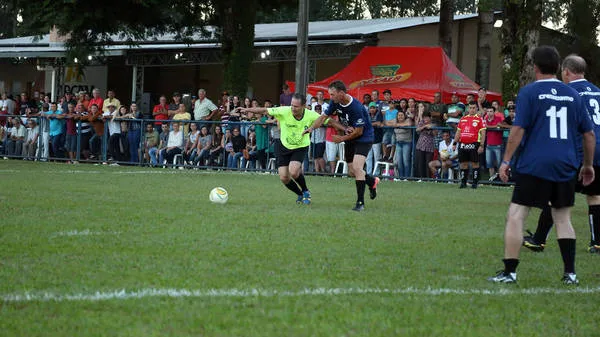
<point x="537" y="192"/>
<point x="318" y="149"/>
<point x="468" y="153"/>
<point x="285" y="155"/>
<point x="593" y="188"/>
<point x="352" y="148"/>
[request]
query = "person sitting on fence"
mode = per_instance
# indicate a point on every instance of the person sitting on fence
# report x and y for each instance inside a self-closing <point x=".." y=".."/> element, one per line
<point x="151" y="144"/>
<point x="218" y="142"/>
<point x="203" y="145"/>
<point x="30" y="144"/>
<point x="447" y="157"/>
<point x="16" y="138"/>
<point x="238" y="143"/>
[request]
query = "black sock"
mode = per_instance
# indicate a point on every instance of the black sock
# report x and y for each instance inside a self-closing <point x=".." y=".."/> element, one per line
<point x="510" y="265"/>
<point x="594" y="215"/>
<point x="464" y="174"/>
<point x="301" y="182"/>
<point x="475" y="176"/>
<point x="545" y="223"/>
<point x="567" y="250"/>
<point x="292" y="186"/>
<point x="360" y="191"/>
<point x="369" y="180"/>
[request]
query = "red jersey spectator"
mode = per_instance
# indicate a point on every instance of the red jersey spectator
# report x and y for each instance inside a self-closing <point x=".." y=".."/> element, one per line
<point x="96" y="99"/>
<point x="160" y="112"/>
<point x="494" y="140"/>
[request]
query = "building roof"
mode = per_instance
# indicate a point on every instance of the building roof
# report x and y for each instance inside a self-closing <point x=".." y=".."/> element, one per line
<point x="284" y="33"/>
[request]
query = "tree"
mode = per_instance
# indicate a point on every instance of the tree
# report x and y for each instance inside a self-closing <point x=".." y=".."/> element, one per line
<point x="8" y="23"/>
<point x="445" y="27"/>
<point x="90" y="25"/>
<point x="530" y="23"/>
<point x="581" y="21"/>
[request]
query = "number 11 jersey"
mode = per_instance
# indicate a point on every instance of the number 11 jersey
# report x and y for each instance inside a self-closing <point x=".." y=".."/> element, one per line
<point x="553" y="116"/>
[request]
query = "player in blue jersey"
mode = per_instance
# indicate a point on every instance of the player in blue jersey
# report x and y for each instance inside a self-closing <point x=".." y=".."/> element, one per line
<point x="355" y="123"/>
<point x="550" y="116"/>
<point x="573" y="73"/>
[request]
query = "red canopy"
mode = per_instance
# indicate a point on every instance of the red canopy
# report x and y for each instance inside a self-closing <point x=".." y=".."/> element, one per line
<point x="416" y="72"/>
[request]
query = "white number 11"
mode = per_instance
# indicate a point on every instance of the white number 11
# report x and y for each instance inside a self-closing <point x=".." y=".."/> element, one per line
<point x="561" y="115"/>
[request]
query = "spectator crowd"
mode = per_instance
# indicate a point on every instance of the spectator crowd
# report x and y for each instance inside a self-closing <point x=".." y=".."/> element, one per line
<point x="412" y="138"/>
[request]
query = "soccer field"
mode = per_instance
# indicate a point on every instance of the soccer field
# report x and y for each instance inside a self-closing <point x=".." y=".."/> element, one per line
<point x="125" y="251"/>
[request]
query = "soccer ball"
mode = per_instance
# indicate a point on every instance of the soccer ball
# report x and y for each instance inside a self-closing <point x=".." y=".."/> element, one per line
<point x="218" y="195"/>
<point x="444" y="155"/>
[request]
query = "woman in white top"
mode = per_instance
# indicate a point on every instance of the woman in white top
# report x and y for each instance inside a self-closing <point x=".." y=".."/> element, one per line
<point x="175" y="143"/>
<point x="191" y="143"/>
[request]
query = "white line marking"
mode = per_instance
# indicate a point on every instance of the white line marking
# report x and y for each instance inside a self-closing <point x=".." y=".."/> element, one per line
<point x="83" y="233"/>
<point x="243" y="293"/>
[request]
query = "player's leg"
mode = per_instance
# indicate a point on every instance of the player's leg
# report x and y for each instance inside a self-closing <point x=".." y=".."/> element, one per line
<point x="565" y="235"/>
<point x="594" y="219"/>
<point x="475" y="168"/>
<point x="537" y="240"/>
<point x="529" y="192"/>
<point x="283" y="162"/>
<point x="562" y="199"/>
<point x="463" y="159"/>
<point x="295" y="168"/>
<point x="433" y="167"/>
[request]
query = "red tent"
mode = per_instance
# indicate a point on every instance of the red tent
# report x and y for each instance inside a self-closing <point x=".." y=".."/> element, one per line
<point x="416" y="72"/>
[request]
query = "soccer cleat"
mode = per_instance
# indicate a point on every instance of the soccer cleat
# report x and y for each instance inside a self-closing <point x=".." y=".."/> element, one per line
<point x="530" y="243"/>
<point x="474" y="186"/>
<point x="570" y="279"/>
<point x="594" y="249"/>
<point x="493" y="177"/>
<point x="359" y="207"/>
<point x="462" y="185"/>
<point x="300" y="199"/>
<point x="504" y="277"/>
<point x="373" y="190"/>
<point x="306" y="197"/>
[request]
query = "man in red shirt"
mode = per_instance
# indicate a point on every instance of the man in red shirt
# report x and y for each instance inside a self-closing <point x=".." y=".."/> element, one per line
<point x="96" y="99"/>
<point x="160" y="112"/>
<point x="470" y="133"/>
<point x="493" y="149"/>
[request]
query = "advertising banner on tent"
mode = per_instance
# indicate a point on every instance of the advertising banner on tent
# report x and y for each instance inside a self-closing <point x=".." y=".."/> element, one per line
<point x="416" y="72"/>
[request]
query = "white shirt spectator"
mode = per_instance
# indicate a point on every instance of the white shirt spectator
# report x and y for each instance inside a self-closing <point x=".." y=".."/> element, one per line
<point x="114" y="127"/>
<point x="323" y="106"/>
<point x="32" y="133"/>
<point x="175" y="139"/>
<point x="18" y="131"/>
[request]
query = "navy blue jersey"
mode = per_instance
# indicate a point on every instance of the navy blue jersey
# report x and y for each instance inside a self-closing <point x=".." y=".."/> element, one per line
<point x="552" y="115"/>
<point x="590" y="94"/>
<point x="355" y="115"/>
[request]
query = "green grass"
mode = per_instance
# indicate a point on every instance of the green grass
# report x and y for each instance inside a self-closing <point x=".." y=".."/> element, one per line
<point x="156" y="229"/>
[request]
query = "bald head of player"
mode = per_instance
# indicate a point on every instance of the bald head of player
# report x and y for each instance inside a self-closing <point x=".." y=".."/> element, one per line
<point x="573" y="68"/>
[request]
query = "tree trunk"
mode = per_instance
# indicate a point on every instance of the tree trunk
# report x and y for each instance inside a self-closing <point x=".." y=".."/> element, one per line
<point x="237" y="42"/>
<point x="532" y="20"/>
<point x="484" y="47"/>
<point x="445" y="27"/>
<point x="582" y="16"/>
<point x="511" y="49"/>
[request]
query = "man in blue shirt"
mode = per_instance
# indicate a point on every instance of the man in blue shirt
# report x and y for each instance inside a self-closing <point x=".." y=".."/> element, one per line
<point x="355" y="123"/>
<point x="57" y="129"/>
<point x="573" y="73"/>
<point x="551" y="117"/>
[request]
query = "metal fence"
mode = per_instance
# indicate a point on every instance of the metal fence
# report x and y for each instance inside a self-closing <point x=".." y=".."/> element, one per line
<point x="125" y="142"/>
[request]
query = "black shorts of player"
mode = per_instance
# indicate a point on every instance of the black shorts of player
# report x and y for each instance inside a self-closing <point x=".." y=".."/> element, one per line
<point x="593" y="188"/>
<point x="352" y="148"/>
<point x="537" y="192"/>
<point x="317" y="149"/>
<point x="285" y="155"/>
<point x="468" y="153"/>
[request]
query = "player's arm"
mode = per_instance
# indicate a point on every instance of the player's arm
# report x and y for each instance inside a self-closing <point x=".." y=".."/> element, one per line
<point x="482" y="134"/>
<point x="457" y="136"/>
<point x="514" y="139"/>
<point x="586" y="174"/>
<point x="317" y="124"/>
<point x="259" y="111"/>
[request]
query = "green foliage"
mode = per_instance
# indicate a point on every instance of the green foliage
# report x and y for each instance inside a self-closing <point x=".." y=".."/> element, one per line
<point x="584" y="14"/>
<point x="154" y="228"/>
<point x="89" y="25"/>
<point x="8" y="21"/>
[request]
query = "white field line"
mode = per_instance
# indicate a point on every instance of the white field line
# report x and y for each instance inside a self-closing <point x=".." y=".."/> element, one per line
<point x="84" y="232"/>
<point x="246" y="293"/>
